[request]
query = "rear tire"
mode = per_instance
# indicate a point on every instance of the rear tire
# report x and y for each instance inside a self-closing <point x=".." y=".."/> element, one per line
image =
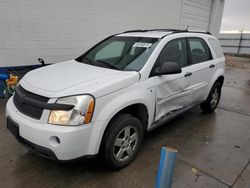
<point x="213" y="99"/>
<point x="121" y="141"/>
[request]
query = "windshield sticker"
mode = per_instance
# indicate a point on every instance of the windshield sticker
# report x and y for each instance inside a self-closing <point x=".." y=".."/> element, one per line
<point x="142" y="45"/>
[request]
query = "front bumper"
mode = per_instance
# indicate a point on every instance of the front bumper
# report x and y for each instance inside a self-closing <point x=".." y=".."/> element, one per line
<point x="40" y="137"/>
<point x="42" y="151"/>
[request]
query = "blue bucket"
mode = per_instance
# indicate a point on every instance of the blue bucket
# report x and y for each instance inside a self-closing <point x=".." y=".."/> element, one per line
<point x="4" y="76"/>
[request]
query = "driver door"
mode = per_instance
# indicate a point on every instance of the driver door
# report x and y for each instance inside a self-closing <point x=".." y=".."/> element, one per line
<point x="172" y="91"/>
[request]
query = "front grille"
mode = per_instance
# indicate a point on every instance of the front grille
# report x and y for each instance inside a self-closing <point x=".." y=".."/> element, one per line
<point x="27" y="109"/>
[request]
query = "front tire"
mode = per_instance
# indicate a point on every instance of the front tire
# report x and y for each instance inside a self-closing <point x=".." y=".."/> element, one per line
<point x="213" y="99"/>
<point x="122" y="141"/>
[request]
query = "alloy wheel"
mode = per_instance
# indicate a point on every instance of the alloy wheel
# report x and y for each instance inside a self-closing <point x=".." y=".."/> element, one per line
<point x="215" y="97"/>
<point x="125" y="143"/>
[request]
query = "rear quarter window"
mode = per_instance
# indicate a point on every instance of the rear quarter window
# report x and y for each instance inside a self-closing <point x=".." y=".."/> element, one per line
<point x="216" y="47"/>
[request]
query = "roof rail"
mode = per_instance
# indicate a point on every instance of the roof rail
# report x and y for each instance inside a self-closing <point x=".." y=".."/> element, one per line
<point x="190" y="31"/>
<point x="168" y="30"/>
<point x="146" y="30"/>
<point x="136" y="30"/>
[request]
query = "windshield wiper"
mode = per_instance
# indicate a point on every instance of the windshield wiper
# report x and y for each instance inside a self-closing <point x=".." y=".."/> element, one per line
<point x="109" y="64"/>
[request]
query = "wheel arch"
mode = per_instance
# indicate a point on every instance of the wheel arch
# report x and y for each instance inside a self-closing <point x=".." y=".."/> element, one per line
<point x="138" y="105"/>
<point x="220" y="79"/>
<point x="218" y="76"/>
<point x="138" y="110"/>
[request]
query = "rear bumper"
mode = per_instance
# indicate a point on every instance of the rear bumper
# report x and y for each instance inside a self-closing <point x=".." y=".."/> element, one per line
<point x="37" y="136"/>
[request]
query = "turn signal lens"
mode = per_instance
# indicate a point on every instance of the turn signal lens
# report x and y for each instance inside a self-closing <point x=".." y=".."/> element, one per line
<point x="89" y="113"/>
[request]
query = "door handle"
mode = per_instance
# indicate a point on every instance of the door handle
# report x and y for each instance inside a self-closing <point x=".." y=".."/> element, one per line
<point x="212" y="66"/>
<point x="188" y="74"/>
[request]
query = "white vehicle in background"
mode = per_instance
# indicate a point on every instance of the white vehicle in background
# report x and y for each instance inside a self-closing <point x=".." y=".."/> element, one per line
<point x="104" y="101"/>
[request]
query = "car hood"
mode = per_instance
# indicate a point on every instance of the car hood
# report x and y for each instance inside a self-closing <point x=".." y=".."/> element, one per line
<point x="72" y="78"/>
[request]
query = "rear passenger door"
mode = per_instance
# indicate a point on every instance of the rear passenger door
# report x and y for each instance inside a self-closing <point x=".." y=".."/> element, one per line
<point x="201" y="68"/>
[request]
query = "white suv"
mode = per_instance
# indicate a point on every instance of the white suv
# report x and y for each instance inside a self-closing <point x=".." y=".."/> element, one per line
<point x="104" y="101"/>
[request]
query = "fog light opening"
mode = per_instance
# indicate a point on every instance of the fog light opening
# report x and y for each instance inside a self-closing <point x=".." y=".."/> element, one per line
<point x="54" y="141"/>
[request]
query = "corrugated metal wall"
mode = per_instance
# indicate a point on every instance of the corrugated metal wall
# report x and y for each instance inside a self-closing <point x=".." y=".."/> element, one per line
<point x="196" y="14"/>
<point x="235" y="43"/>
<point x="60" y="30"/>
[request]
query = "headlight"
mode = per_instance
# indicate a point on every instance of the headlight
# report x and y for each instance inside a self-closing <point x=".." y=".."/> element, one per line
<point x="80" y="114"/>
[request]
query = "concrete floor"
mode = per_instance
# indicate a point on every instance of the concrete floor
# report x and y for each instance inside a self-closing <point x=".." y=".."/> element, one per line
<point x="213" y="151"/>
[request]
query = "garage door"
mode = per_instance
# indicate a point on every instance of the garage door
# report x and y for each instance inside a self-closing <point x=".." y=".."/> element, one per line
<point x="196" y="14"/>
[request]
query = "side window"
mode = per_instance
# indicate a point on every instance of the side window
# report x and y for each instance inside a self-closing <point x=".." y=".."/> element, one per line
<point x="217" y="48"/>
<point x="174" y="51"/>
<point x="113" y="49"/>
<point x="199" y="50"/>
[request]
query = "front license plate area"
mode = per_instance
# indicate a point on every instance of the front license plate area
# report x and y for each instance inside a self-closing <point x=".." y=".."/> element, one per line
<point x="13" y="127"/>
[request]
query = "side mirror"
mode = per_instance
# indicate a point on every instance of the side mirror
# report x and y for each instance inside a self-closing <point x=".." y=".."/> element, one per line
<point x="41" y="61"/>
<point x="168" y="68"/>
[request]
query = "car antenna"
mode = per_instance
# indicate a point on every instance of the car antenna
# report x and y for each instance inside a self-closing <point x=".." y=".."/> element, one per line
<point x="41" y="61"/>
<point x="187" y="28"/>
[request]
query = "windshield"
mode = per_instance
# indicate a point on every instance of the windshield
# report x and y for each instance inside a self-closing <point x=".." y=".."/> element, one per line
<point x="121" y="53"/>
